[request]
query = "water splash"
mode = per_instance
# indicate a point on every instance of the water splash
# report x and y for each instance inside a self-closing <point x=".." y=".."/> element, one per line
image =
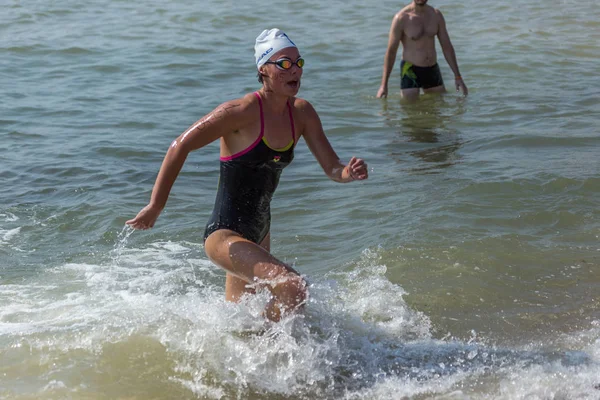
<point x="121" y="243"/>
<point x="159" y="315"/>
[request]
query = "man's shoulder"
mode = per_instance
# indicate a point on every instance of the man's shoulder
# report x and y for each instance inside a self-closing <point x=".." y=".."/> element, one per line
<point x="436" y="12"/>
<point x="403" y="15"/>
<point x="404" y="11"/>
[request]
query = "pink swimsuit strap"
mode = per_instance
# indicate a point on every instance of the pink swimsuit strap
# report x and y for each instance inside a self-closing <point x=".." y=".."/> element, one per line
<point x="262" y="130"/>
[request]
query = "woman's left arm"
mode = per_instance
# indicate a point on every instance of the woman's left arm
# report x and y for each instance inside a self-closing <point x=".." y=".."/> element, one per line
<point x="317" y="142"/>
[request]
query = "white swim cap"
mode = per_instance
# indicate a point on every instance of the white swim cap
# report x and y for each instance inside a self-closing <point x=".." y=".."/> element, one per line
<point x="270" y="41"/>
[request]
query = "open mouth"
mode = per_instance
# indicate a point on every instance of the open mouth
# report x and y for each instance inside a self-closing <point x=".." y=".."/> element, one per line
<point x="294" y="83"/>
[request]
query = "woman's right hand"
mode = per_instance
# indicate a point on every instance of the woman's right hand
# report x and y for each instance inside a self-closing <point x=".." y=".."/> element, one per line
<point x="145" y="218"/>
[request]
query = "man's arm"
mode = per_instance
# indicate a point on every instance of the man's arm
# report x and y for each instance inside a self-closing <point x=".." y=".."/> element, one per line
<point x="449" y="54"/>
<point x="390" y="55"/>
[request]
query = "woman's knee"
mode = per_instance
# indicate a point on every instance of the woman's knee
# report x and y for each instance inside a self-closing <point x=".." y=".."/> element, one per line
<point x="292" y="291"/>
<point x="216" y="245"/>
<point x="210" y="245"/>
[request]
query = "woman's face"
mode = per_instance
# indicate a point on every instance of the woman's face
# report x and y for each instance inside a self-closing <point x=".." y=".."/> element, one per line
<point x="284" y="81"/>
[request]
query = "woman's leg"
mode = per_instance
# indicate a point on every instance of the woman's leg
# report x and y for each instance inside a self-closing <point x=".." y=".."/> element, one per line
<point x="254" y="264"/>
<point x="236" y="287"/>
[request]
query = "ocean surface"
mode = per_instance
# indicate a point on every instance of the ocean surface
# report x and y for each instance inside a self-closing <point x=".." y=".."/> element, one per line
<point x="466" y="267"/>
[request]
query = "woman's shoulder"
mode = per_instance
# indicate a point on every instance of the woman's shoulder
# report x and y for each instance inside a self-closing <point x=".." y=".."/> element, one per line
<point x="240" y="108"/>
<point x="242" y="103"/>
<point x="304" y="114"/>
<point x="301" y="104"/>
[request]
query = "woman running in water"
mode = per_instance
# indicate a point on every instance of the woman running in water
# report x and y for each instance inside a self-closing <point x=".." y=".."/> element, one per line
<point x="258" y="134"/>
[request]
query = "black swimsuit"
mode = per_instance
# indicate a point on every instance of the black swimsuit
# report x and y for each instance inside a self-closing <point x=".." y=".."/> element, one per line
<point x="247" y="182"/>
<point x="413" y="76"/>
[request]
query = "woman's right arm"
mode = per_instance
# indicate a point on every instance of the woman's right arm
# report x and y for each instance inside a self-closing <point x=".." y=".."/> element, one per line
<point x="224" y="119"/>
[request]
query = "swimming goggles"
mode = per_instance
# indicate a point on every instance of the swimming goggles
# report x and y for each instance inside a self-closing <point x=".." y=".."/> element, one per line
<point x="286" y="63"/>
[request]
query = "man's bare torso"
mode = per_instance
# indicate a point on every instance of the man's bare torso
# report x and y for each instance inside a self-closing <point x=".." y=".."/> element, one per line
<point x="418" y="35"/>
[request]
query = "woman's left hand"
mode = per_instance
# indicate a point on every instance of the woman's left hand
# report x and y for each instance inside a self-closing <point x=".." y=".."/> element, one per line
<point x="357" y="168"/>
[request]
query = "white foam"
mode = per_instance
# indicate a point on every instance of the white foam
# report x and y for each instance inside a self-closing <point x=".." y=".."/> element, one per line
<point x="7" y="235"/>
<point x="9" y="217"/>
<point x="357" y="338"/>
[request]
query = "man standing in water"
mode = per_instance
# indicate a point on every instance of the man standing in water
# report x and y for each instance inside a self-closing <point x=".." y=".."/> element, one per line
<point x="416" y="26"/>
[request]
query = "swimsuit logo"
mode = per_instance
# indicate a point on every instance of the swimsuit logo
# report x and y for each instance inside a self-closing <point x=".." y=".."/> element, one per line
<point x="276" y="158"/>
<point x="407" y="71"/>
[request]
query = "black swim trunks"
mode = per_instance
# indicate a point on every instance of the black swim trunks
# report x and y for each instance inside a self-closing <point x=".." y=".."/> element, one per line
<point x="413" y="77"/>
<point x="247" y="182"/>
